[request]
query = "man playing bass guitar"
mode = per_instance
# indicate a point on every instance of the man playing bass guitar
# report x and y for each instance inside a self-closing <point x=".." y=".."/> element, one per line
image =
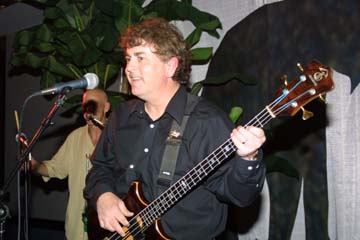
<point x="193" y="204"/>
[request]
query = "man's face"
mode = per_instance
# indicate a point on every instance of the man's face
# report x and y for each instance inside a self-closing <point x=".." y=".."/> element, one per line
<point x="145" y="71"/>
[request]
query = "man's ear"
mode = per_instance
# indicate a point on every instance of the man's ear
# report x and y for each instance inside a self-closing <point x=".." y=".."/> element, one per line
<point x="107" y="107"/>
<point x="172" y="65"/>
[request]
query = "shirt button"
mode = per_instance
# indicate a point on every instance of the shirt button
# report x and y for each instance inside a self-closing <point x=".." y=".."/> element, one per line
<point x="146" y="150"/>
<point x="131" y="166"/>
<point x="257" y="185"/>
<point x="250" y="168"/>
<point x="152" y="125"/>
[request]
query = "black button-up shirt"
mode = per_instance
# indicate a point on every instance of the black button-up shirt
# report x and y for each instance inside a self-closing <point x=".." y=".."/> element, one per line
<point x="131" y="148"/>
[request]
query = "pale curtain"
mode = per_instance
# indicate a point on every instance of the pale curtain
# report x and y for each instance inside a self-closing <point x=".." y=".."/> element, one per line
<point x="343" y="166"/>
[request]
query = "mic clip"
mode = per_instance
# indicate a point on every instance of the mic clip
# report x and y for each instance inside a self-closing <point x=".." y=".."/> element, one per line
<point x="22" y="139"/>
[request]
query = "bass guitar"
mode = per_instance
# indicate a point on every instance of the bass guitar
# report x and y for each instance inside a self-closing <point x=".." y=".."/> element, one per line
<point x="315" y="80"/>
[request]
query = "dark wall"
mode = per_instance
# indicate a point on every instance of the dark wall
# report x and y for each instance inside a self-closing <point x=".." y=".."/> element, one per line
<point x="48" y="200"/>
<point x="2" y="103"/>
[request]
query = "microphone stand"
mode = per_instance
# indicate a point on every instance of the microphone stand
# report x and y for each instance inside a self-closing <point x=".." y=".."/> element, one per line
<point x="4" y="213"/>
<point x="4" y="210"/>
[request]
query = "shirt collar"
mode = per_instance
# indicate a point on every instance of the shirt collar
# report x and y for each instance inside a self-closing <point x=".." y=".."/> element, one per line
<point x="177" y="104"/>
<point x="175" y="108"/>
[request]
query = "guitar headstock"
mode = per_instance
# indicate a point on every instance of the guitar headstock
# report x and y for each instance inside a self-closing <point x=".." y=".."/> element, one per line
<point x="315" y="80"/>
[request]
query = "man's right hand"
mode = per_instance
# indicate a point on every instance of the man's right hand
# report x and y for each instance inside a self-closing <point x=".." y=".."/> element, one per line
<point x="31" y="164"/>
<point x="112" y="213"/>
<point x="36" y="167"/>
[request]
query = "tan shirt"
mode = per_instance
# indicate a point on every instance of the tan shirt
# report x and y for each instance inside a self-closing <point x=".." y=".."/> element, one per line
<point x="72" y="161"/>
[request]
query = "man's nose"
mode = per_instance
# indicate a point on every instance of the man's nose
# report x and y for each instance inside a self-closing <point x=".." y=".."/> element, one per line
<point x="130" y="66"/>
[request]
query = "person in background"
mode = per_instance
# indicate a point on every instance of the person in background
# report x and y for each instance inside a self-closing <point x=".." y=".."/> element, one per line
<point x="133" y="142"/>
<point x="72" y="160"/>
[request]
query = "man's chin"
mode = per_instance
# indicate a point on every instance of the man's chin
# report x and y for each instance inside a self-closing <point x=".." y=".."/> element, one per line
<point x="136" y="92"/>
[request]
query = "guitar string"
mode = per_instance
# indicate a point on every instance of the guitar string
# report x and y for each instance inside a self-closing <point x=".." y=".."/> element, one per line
<point x="148" y="212"/>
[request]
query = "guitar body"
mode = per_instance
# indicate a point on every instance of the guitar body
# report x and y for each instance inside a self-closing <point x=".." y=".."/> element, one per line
<point x="135" y="202"/>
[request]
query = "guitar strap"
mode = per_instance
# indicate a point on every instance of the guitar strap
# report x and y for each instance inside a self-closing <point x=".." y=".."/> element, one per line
<point x="173" y="143"/>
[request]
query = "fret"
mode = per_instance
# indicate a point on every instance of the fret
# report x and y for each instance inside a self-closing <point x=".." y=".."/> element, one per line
<point x="218" y="152"/>
<point x="207" y="166"/>
<point x="185" y="185"/>
<point x="145" y="217"/>
<point x="170" y="196"/>
<point x="164" y="202"/>
<point x="258" y="121"/>
<point x="155" y="211"/>
<point x="175" y="191"/>
<point x="223" y="154"/>
<point x="211" y="156"/>
<point x="200" y="170"/>
<point x="194" y="176"/>
<point x="163" y="207"/>
<point x="180" y="188"/>
<point x="228" y="150"/>
<point x="188" y="178"/>
<point x="212" y="162"/>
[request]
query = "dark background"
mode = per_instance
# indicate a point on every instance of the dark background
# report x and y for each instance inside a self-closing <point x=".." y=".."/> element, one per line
<point x="48" y="201"/>
<point x="266" y="44"/>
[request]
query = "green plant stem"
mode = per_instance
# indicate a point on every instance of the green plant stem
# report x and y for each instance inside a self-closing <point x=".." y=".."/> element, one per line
<point x="78" y="19"/>
<point x="91" y="11"/>
<point x="129" y="15"/>
<point x="77" y="75"/>
<point x="106" y="75"/>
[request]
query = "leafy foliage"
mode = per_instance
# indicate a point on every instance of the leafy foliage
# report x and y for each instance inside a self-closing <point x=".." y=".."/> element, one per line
<point x="81" y="36"/>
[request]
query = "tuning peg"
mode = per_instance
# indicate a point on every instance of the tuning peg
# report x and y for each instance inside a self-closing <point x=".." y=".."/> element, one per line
<point x="306" y="114"/>
<point x="322" y="98"/>
<point x="284" y="79"/>
<point x="300" y="67"/>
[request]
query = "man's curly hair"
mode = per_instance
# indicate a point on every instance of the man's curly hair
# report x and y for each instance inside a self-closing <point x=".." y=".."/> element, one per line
<point x="167" y="41"/>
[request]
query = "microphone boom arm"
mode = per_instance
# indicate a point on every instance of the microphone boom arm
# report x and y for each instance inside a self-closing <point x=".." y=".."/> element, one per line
<point x="44" y="124"/>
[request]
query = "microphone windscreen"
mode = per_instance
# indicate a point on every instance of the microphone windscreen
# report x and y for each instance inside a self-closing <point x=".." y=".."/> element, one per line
<point x="92" y="80"/>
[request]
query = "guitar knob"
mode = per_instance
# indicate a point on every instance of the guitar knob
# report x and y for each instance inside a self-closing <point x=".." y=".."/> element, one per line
<point x="284" y="79"/>
<point x="322" y="98"/>
<point x="306" y="114"/>
<point x="300" y="67"/>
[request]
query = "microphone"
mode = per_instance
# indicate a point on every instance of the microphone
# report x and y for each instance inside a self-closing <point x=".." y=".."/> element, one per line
<point x="89" y="81"/>
<point x="90" y="116"/>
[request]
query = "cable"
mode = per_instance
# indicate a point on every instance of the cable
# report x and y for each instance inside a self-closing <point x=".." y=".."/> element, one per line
<point x="26" y="216"/>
